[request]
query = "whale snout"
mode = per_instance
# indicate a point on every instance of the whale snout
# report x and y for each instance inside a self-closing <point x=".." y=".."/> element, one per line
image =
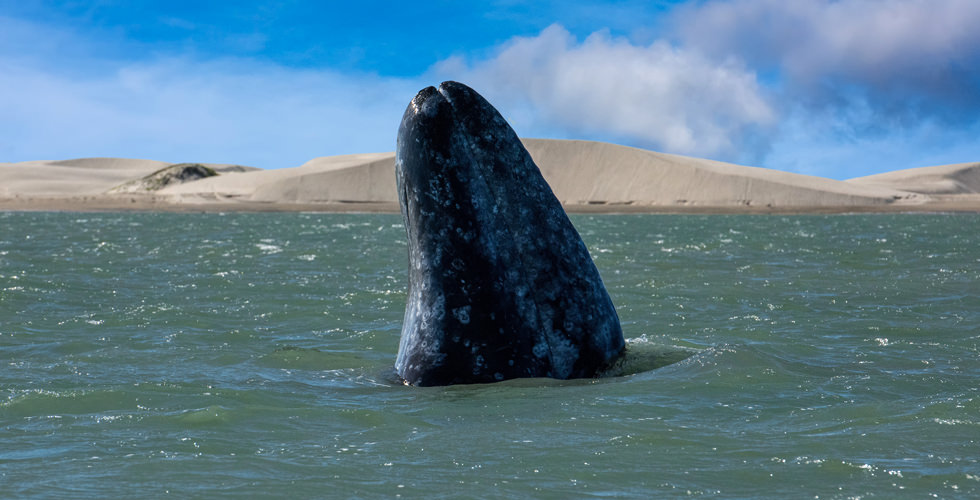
<point x="420" y="99"/>
<point x="429" y="100"/>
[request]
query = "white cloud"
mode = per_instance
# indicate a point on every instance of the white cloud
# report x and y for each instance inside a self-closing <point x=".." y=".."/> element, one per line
<point x="185" y="110"/>
<point x="658" y="96"/>
<point x="907" y="58"/>
<point x="861" y="86"/>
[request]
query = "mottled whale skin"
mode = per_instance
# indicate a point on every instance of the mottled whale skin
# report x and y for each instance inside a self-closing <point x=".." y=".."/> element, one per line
<point x="501" y="285"/>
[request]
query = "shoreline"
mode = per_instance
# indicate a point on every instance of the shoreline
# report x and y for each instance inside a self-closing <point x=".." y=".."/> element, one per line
<point x="962" y="204"/>
<point x="588" y="177"/>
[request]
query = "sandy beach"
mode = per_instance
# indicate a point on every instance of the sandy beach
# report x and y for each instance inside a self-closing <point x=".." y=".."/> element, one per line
<point x="591" y="177"/>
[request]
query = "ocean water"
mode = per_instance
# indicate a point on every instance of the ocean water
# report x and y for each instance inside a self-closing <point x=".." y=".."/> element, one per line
<point x="251" y="355"/>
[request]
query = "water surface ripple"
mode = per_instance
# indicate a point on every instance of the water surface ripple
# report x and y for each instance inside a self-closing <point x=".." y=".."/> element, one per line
<point x="210" y="355"/>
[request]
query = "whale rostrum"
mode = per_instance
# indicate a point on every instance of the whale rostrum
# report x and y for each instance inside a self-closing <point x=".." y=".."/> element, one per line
<point x="501" y="285"/>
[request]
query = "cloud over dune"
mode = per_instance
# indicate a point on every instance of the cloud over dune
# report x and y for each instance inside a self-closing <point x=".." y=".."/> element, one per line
<point x="185" y="110"/>
<point x="904" y="57"/>
<point x="657" y="95"/>
<point x="738" y="80"/>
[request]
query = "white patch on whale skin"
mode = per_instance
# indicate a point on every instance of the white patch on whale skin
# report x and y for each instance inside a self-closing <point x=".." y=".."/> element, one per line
<point x="478" y="364"/>
<point x="462" y="314"/>
<point x="438" y="306"/>
<point x="414" y="344"/>
<point x="563" y="354"/>
<point x="540" y="349"/>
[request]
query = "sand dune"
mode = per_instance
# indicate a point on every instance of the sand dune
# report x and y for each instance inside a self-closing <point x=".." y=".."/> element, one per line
<point x="347" y="178"/>
<point x="88" y="176"/>
<point x="584" y="172"/>
<point x="580" y="173"/>
<point x="962" y="178"/>
<point x="585" y="175"/>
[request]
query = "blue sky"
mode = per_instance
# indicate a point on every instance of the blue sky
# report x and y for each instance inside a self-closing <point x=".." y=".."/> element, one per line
<point x="832" y="88"/>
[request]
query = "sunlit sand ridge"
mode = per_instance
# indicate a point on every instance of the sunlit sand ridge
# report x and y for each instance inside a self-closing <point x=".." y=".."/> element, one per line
<point x="585" y="175"/>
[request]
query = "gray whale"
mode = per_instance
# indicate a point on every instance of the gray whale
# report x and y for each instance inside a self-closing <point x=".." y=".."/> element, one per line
<point x="501" y="285"/>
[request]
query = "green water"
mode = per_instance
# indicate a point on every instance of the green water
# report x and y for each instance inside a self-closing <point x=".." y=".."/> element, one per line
<point x="250" y="355"/>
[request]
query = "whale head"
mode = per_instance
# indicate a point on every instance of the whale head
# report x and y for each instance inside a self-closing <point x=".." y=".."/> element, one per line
<point x="501" y="285"/>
